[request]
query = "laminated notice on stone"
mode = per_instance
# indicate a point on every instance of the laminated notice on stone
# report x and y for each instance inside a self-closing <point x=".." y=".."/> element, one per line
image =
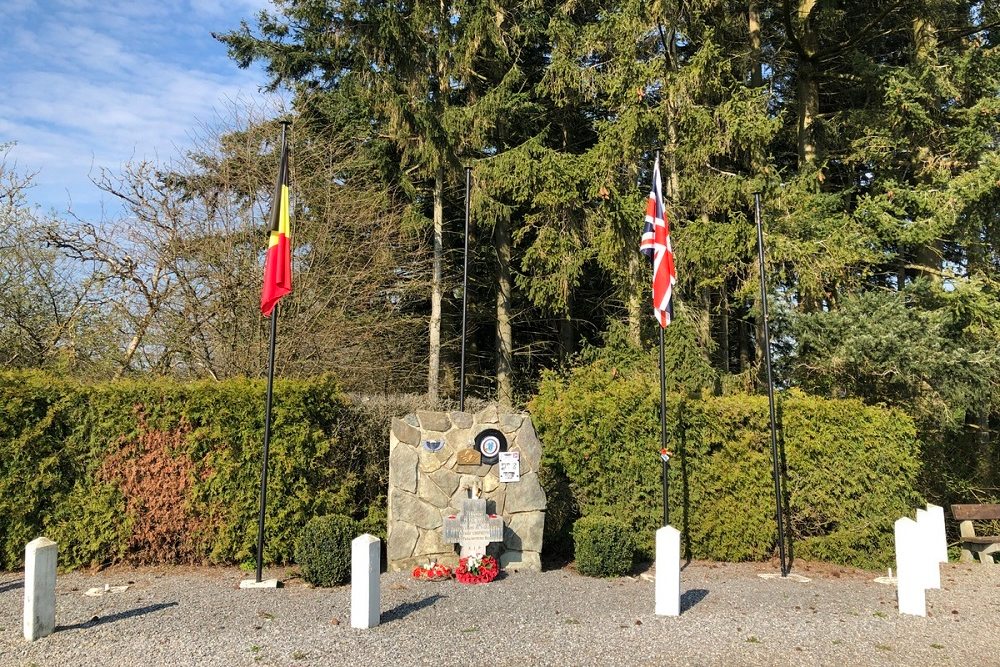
<point x="510" y="466"/>
<point x="469" y="457"/>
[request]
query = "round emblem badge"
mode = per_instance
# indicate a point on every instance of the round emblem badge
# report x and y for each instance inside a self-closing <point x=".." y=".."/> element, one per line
<point x="490" y="443"/>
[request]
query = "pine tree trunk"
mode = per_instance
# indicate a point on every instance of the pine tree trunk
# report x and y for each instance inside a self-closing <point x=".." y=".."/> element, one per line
<point x="808" y="110"/>
<point x="635" y="303"/>
<point x="434" y="356"/>
<point x="756" y="60"/>
<point x="567" y="340"/>
<point x="505" y="336"/>
<point x="724" y="328"/>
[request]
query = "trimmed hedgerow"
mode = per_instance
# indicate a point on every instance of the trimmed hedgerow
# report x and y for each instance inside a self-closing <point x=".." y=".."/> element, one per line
<point x="167" y="472"/>
<point x="323" y="550"/>
<point x="851" y="468"/>
<point x="605" y="546"/>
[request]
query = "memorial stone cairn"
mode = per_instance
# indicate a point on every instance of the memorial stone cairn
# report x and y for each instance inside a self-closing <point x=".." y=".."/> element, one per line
<point x="443" y="464"/>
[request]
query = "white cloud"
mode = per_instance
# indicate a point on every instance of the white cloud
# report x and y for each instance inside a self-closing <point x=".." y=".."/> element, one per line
<point x="95" y="85"/>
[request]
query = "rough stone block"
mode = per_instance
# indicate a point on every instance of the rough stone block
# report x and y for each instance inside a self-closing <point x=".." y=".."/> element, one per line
<point x="524" y="531"/>
<point x="433" y="421"/>
<point x="403" y="468"/>
<point x="461" y="419"/>
<point x="446" y="480"/>
<point x="526" y="441"/>
<point x="431" y="493"/>
<point x="402" y="539"/>
<point x="408" y="508"/>
<point x="366" y="554"/>
<point x="458" y="438"/>
<point x="526" y="495"/>
<point x="510" y="423"/>
<point x="431" y="545"/>
<point x="487" y="415"/>
<point x="404" y="432"/>
<point x="428" y="462"/>
<point x="513" y="561"/>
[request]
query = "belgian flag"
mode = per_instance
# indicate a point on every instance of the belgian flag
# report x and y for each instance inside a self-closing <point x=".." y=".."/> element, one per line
<point x="278" y="263"/>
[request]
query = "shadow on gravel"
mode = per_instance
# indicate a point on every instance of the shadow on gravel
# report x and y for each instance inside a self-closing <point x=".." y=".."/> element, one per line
<point x="11" y="586"/>
<point x="407" y="608"/>
<point x="692" y="597"/>
<point x="120" y="616"/>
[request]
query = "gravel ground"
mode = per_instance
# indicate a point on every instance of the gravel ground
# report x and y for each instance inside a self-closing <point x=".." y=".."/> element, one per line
<point x="730" y="616"/>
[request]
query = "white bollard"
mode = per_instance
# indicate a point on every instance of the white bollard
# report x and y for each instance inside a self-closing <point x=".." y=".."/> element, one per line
<point x="928" y="550"/>
<point x="668" y="572"/>
<point x="910" y="568"/>
<point x="936" y="519"/>
<point x="39" y="588"/>
<point x="366" y="562"/>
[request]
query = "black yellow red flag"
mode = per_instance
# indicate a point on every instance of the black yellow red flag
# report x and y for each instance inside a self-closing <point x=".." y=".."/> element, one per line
<point x="278" y="263"/>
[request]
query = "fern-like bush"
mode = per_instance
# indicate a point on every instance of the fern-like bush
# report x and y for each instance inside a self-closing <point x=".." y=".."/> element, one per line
<point x="323" y="551"/>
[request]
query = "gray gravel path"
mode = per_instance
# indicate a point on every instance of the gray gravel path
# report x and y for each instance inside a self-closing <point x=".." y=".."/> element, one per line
<point x="198" y="616"/>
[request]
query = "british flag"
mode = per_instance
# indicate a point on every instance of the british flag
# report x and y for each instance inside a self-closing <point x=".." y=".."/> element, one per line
<point x="656" y="245"/>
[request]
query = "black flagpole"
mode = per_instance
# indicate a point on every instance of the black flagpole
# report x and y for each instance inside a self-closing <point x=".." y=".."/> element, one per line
<point x="267" y="443"/>
<point x="664" y="454"/>
<point x="766" y="346"/>
<point x="465" y="290"/>
<point x="270" y="389"/>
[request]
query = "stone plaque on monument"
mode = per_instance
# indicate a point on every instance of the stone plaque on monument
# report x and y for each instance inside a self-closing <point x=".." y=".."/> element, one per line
<point x="469" y="457"/>
<point x="473" y="528"/>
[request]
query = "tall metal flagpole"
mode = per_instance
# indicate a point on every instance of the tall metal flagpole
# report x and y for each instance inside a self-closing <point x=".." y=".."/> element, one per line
<point x="465" y="290"/>
<point x="267" y="442"/>
<point x="267" y="401"/>
<point x="766" y="346"/>
<point x="664" y="454"/>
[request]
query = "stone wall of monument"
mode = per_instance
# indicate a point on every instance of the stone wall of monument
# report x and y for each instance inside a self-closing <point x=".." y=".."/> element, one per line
<point x="426" y="486"/>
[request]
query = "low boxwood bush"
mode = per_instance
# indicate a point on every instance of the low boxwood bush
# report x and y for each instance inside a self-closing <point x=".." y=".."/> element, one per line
<point x="323" y="551"/>
<point x="851" y="468"/>
<point x="605" y="546"/>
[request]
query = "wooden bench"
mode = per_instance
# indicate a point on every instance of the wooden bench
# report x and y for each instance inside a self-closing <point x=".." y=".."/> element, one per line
<point x="985" y="546"/>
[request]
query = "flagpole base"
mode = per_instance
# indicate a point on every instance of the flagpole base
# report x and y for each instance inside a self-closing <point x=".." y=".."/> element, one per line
<point x="266" y="583"/>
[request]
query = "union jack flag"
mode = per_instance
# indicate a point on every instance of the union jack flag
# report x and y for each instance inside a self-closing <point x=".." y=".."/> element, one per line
<point x="656" y="245"/>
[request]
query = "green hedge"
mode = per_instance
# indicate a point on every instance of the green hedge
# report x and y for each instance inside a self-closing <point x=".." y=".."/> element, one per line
<point x="166" y="472"/>
<point x="851" y="468"/>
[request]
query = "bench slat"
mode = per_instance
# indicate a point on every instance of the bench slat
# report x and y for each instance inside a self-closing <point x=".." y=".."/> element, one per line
<point x="975" y="512"/>
<point x="983" y="540"/>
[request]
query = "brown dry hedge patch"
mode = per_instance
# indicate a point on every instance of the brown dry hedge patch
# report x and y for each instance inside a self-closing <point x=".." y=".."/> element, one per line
<point x="156" y="477"/>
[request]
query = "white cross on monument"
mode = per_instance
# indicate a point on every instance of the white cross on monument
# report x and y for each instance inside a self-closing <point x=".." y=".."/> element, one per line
<point x="472" y="527"/>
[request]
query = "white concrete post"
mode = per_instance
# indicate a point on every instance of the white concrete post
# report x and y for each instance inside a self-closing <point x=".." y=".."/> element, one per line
<point x="929" y="549"/>
<point x="910" y="568"/>
<point x="668" y="572"/>
<point x="366" y="560"/>
<point x="39" y="588"/>
<point x="936" y="519"/>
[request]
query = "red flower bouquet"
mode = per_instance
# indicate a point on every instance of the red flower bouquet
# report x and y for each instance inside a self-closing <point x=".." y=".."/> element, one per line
<point x="432" y="572"/>
<point x="474" y="570"/>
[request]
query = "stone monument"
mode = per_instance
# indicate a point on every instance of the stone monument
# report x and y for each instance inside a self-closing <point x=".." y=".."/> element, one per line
<point x="438" y="460"/>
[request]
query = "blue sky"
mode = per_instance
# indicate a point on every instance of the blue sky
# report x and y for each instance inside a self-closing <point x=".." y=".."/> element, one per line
<point x="89" y="84"/>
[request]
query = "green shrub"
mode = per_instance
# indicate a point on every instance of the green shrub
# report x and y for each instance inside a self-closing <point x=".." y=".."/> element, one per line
<point x="851" y="468"/>
<point x="323" y="551"/>
<point x="605" y="546"/>
<point x="155" y="471"/>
